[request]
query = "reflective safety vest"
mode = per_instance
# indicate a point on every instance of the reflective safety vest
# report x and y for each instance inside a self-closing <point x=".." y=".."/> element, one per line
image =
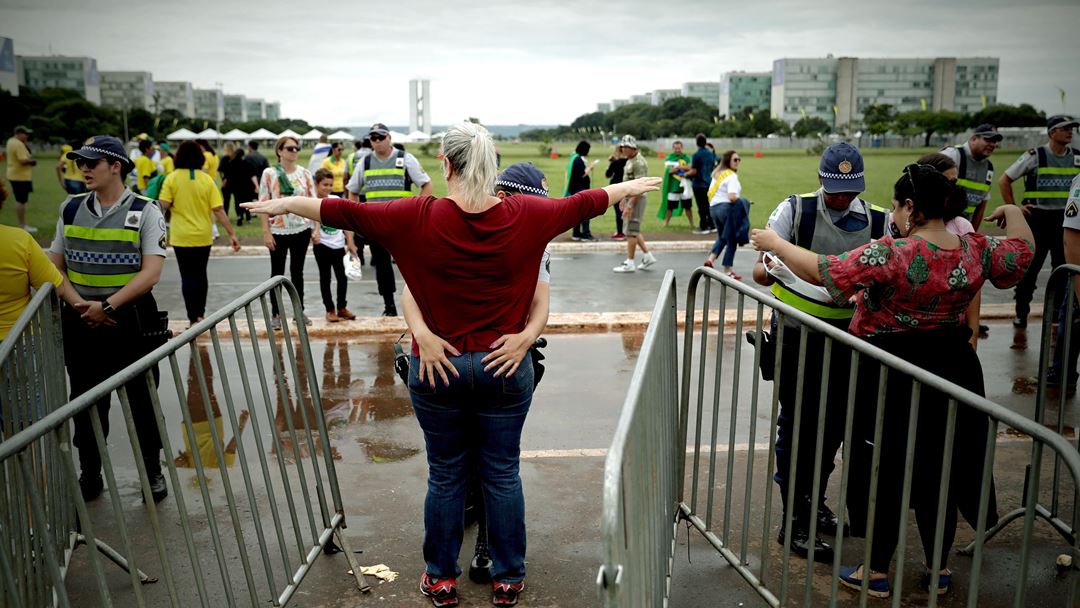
<point x="975" y="178"/>
<point x="816" y="232"/>
<point x="102" y="254"/>
<point x="1048" y="185"/>
<point x="386" y="180"/>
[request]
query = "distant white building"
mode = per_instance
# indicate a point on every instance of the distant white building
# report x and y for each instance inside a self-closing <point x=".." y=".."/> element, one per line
<point x="255" y="108"/>
<point x="61" y="72"/>
<point x="127" y="90"/>
<point x="603" y="107"/>
<point x="9" y="74"/>
<point x="659" y="96"/>
<point x="210" y="105"/>
<point x="709" y="92"/>
<point x="647" y="99"/>
<point x="235" y="108"/>
<point x="175" y="95"/>
<point x="420" y="106"/>
<point x="742" y="90"/>
<point x="273" y="110"/>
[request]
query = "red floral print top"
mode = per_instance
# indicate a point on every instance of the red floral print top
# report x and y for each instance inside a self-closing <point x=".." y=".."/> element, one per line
<point x="907" y="283"/>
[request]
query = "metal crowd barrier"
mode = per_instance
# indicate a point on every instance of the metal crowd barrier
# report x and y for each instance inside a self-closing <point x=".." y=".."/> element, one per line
<point x="641" y="473"/>
<point x="244" y="526"/>
<point x="736" y="513"/>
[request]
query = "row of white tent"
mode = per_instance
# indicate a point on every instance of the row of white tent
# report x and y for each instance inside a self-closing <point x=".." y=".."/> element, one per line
<point x="266" y="135"/>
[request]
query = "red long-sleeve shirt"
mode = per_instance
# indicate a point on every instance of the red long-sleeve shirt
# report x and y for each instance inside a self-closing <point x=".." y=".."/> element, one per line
<point x="473" y="275"/>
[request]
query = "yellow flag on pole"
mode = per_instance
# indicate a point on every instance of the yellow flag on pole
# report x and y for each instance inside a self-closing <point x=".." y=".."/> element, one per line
<point x="923" y="102"/>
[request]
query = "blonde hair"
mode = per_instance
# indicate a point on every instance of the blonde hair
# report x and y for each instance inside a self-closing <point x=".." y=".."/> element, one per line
<point x="470" y="151"/>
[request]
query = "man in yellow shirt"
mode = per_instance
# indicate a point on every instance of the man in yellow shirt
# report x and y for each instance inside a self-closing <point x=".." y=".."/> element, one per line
<point x="167" y="164"/>
<point x="20" y="172"/>
<point x="71" y="179"/>
<point x="145" y="167"/>
<point x="335" y="164"/>
<point x="24" y="265"/>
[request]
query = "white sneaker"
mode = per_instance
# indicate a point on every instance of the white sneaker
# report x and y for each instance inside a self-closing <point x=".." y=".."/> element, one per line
<point x="647" y="260"/>
<point x="627" y="266"/>
<point x="29" y="228"/>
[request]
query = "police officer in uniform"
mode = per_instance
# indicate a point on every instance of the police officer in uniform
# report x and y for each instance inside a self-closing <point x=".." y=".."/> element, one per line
<point x="1047" y="171"/>
<point x="976" y="172"/>
<point x="385" y="175"/>
<point x="110" y="243"/>
<point x="830" y="221"/>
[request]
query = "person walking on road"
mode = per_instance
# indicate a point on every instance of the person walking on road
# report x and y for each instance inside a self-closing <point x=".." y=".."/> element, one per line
<point x="111" y="245"/>
<point x="195" y="201"/>
<point x="243" y="183"/>
<point x="830" y="221"/>
<point x="578" y="180"/>
<point x="633" y="209"/>
<point x="335" y="164"/>
<point x="20" y="174"/>
<point x="677" y="191"/>
<point x="1047" y="171"/>
<point x="975" y="172"/>
<point x="288" y="235"/>
<point x="385" y="175"/>
<point x="329" y="247"/>
<point x="614" y="173"/>
<point x="729" y="211"/>
<point x="701" y="170"/>
<point x="470" y="394"/>
<point x="911" y="294"/>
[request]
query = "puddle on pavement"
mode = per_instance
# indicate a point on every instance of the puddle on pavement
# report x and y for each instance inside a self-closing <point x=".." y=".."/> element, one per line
<point x="1025" y="385"/>
<point x="381" y="452"/>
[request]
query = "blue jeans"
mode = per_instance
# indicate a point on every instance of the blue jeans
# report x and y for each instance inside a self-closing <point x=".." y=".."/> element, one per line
<point x="725" y="236"/>
<point x="474" y="424"/>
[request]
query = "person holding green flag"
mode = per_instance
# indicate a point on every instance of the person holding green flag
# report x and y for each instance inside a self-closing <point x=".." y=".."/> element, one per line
<point x="676" y="190"/>
<point x="578" y="180"/>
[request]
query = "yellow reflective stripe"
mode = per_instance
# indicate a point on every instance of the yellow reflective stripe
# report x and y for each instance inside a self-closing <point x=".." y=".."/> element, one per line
<point x="379" y="195"/>
<point x="100" y="280"/>
<point x="102" y="234"/>
<point x="384" y="172"/>
<point x="971" y="209"/>
<point x="1041" y="194"/>
<point x="1059" y="170"/>
<point x="817" y="309"/>
<point x="966" y="183"/>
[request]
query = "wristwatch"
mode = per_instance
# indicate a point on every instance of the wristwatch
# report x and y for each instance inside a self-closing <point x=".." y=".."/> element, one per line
<point x="107" y="308"/>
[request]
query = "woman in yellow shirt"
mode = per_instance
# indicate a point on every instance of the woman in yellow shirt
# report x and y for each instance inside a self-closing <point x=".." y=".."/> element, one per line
<point x="193" y="196"/>
<point x="24" y="265"/>
<point x="71" y="178"/>
<point x="336" y="165"/>
<point x="210" y="158"/>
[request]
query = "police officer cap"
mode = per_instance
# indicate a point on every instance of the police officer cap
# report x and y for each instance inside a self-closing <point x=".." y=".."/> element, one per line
<point x="103" y="146"/>
<point x="841" y="169"/>
<point x="988" y="132"/>
<point x="525" y="178"/>
<point x="1061" y="121"/>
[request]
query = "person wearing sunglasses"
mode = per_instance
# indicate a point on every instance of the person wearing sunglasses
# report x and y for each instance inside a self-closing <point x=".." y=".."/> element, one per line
<point x="829" y="221"/>
<point x="911" y="295"/>
<point x="728" y="211"/>
<point x="287" y="235"/>
<point x="110" y="243"/>
<point x="385" y="175"/>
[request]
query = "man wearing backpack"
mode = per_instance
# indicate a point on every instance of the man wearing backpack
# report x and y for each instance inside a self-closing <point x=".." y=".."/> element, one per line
<point x="385" y="175"/>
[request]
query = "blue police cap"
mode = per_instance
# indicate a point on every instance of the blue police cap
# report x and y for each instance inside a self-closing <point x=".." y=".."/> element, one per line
<point x="841" y="169"/>
<point x="525" y="178"/>
<point x="103" y="146"/>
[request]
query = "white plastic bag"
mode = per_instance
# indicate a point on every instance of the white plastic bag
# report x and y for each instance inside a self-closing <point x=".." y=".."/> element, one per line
<point x="775" y="267"/>
<point x="353" y="270"/>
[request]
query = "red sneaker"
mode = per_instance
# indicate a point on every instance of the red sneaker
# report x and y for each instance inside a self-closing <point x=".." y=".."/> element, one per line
<point x="506" y="594"/>
<point x="442" y="591"/>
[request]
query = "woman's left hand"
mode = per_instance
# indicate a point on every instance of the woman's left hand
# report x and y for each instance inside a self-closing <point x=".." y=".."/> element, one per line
<point x="764" y="240"/>
<point x="274" y="206"/>
<point x="509" y="351"/>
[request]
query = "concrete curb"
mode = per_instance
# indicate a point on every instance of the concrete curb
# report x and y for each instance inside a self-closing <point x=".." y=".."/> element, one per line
<point x="558" y="323"/>
<point x="555" y="247"/>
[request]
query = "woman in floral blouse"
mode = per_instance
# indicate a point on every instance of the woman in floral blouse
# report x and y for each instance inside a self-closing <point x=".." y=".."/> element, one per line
<point x="911" y="293"/>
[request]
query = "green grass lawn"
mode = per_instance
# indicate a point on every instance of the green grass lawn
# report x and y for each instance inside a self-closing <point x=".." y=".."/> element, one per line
<point x="766" y="181"/>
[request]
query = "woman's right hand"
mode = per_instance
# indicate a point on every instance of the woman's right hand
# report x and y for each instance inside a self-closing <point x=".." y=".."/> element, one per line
<point x="274" y="206"/>
<point x="268" y="240"/>
<point x="1001" y="215"/>
<point x="433" y="358"/>
<point x="641" y="185"/>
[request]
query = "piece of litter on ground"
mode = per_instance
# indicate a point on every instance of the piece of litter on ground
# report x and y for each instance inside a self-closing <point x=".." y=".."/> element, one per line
<point x="380" y="571"/>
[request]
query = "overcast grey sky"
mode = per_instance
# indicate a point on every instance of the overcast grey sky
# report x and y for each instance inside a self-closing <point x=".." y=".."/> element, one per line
<point x="348" y="63"/>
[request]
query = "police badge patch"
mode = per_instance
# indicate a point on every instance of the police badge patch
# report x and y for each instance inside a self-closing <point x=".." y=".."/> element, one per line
<point x="132" y="219"/>
<point x="1071" y="210"/>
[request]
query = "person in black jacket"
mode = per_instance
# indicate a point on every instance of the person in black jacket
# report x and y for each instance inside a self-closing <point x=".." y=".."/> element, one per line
<point x="242" y="180"/>
<point x="614" y="172"/>
<point x="577" y="180"/>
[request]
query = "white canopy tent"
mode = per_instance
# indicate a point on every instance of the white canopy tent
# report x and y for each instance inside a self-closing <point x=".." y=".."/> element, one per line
<point x="236" y="135"/>
<point x="209" y="134"/>
<point x="419" y="136"/>
<point x="182" y="134"/>
<point x="341" y="136"/>
<point x="312" y="135"/>
<point x="399" y="137"/>
<point x="262" y="134"/>
<point x="290" y="133"/>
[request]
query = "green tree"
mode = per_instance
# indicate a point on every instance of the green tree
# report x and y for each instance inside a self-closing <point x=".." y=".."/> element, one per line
<point x="928" y="123"/>
<point x="811" y="125"/>
<point x="879" y="118"/>
<point x="1004" y="115"/>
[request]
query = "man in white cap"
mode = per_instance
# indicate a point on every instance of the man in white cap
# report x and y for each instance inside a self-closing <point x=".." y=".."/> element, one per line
<point x="633" y="210"/>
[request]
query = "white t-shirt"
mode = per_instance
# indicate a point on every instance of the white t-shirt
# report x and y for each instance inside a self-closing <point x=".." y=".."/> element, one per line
<point x="331" y="237"/>
<point x="729" y="186"/>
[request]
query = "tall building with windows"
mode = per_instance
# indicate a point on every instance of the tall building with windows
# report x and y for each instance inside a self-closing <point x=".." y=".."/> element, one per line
<point x="236" y="108"/>
<point x="127" y="90"/>
<point x="9" y="76"/>
<point x="61" y="72"/>
<point x="210" y="105"/>
<point x="603" y="107"/>
<point x="647" y="99"/>
<point x="837" y="90"/>
<point x="420" y="106"/>
<point x="659" y="96"/>
<point x="273" y="110"/>
<point x="255" y="108"/>
<point x="741" y="90"/>
<point x="709" y="92"/>
<point x="618" y="103"/>
<point x="175" y="95"/>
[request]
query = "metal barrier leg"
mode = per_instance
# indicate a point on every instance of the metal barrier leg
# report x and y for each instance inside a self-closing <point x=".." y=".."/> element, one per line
<point x="115" y="557"/>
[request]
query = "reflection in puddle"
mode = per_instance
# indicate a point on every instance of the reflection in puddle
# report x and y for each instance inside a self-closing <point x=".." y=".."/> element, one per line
<point x="1025" y="386"/>
<point x="200" y="418"/>
<point x="384" y="451"/>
